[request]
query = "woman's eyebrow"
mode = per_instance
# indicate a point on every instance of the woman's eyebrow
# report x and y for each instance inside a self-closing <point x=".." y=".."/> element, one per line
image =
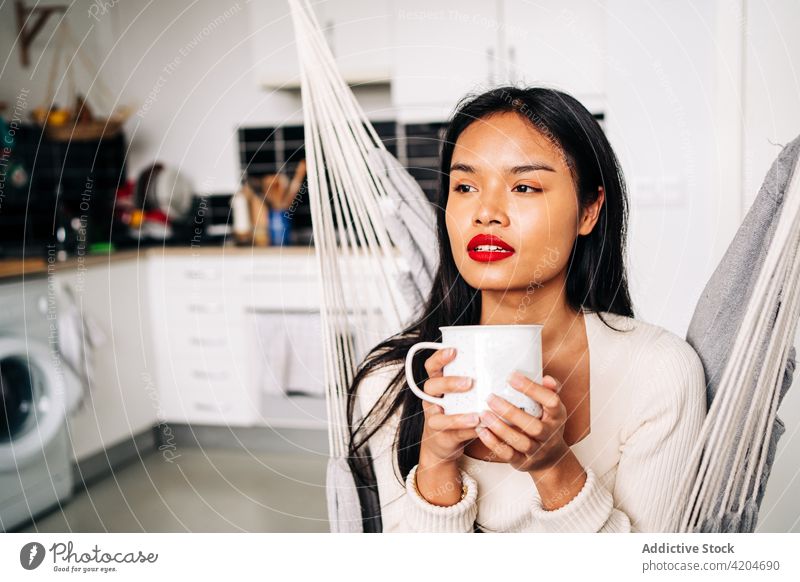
<point x="462" y="167"/>
<point x="535" y="167"/>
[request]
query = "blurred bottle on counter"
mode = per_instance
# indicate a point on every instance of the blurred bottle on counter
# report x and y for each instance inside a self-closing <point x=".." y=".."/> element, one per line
<point x="240" y="208"/>
<point x="66" y="239"/>
<point x="279" y="226"/>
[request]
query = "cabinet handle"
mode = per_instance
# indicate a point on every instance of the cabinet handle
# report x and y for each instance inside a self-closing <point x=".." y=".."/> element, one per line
<point x="205" y="375"/>
<point x="205" y="407"/>
<point x="490" y="58"/>
<point x="208" y="342"/>
<point x="202" y="274"/>
<point x="512" y="64"/>
<point x="265" y="278"/>
<point x="206" y="307"/>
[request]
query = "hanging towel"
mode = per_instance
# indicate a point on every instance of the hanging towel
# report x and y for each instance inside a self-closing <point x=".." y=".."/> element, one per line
<point x="290" y="346"/>
<point x="272" y="354"/>
<point x="79" y="336"/>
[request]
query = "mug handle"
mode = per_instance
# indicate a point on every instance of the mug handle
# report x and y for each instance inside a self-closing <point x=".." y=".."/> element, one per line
<point x="410" y="374"/>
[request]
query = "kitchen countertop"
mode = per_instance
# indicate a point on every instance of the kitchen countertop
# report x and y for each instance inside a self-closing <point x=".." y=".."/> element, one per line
<point x="11" y="269"/>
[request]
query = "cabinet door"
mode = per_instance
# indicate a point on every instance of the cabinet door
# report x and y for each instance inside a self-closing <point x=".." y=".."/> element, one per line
<point x="198" y="329"/>
<point x="559" y="43"/>
<point x="273" y="44"/>
<point x="213" y="390"/>
<point x="357" y="31"/>
<point x="443" y="51"/>
<point x="120" y="401"/>
<point x="359" y="34"/>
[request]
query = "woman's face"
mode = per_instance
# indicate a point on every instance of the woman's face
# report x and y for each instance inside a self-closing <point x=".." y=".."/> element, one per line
<point x="508" y="180"/>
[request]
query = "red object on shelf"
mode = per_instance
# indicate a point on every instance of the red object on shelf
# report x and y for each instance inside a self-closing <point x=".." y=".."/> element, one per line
<point x="156" y="216"/>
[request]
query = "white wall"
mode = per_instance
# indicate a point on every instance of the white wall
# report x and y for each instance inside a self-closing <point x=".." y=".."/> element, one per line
<point x="660" y="91"/>
<point x="33" y="79"/>
<point x="772" y="85"/>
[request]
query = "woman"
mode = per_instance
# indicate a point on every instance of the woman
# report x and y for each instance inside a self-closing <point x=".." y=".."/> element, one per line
<point x="623" y="400"/>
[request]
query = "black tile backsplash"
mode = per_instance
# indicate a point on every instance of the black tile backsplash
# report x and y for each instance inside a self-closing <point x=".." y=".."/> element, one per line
<point x="268" y="150"/>
<point x="77" y="178"/>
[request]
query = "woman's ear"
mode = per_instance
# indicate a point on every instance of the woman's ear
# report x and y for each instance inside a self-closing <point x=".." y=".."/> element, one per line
<point x="591" y="213"/>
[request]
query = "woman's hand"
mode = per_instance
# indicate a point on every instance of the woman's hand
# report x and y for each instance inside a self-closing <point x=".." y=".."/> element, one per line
<point x="533" y="444"/>
<point x="444" y="435"/>
<point x="438" y="477"/>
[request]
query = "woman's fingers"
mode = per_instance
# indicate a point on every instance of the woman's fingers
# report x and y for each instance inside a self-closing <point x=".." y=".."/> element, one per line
<point x="453" y="421"/>
<point x="464" y="434"/>
<point x="431" y="409"/>
<point x="527" y="423"/>
<point x="545" y="396"/>
<point x="437" y="361"/>
<point x="456" y="438"/>
<point x="447" y="384"/>
<point x="512" y="437"/>
<point x="500" y="450"/>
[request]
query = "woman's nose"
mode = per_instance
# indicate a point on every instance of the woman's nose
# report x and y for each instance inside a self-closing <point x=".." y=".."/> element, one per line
<point x="491" y="209"/>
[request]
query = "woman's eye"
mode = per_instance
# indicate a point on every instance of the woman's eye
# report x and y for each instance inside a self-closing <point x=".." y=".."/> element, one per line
<point x="530" y="188"/>
<point x="460" y="188"/>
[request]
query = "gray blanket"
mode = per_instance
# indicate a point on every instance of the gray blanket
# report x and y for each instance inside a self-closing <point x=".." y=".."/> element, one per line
<point x="719" y="314"/>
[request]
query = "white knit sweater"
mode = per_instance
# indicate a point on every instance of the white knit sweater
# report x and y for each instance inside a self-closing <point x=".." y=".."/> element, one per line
<point x="647" y="401"/>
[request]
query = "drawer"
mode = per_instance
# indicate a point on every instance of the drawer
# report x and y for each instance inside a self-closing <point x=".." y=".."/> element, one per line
<point x="196" y="273"/>
<point x="211" y="343"/>
<point x="209" y="338"/>
<point x="202" y="309"/>
<point x="209" y="395"/>
<point x="211" y="365"/>
<point x="200" y="337"/>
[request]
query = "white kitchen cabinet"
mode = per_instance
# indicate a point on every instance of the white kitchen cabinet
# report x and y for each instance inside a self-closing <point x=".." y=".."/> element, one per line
<point x="120" y="401"/>
<point x="430" y="55"/>
<point x="198" y="322"/>
<point x="560" y="43"/>
<point x="359" y="33"/>
<point x="448" y="49"/>
<point x="443" y="50"/>
<point x="223" y="324"/>
<point x="281" y="292"/>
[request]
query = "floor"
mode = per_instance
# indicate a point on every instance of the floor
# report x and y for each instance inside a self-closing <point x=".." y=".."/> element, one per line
<point x="204" y="490"/>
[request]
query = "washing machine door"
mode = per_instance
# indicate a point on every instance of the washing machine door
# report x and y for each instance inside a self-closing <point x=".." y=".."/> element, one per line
<point x="32" y="400"/>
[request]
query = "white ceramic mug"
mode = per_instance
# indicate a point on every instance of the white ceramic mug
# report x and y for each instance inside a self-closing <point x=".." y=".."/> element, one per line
<point x="488" y="354"/>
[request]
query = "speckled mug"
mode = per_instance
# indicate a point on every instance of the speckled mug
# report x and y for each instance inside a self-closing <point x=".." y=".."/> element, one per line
<point x="488" y="354"/>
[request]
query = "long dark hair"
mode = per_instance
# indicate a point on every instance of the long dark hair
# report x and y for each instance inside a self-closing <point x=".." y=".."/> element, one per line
<point x="596" y="278"/>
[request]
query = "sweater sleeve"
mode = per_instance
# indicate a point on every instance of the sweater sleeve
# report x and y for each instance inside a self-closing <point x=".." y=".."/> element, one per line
<point x="666" y="419"/>
<point x="402" y="508"/>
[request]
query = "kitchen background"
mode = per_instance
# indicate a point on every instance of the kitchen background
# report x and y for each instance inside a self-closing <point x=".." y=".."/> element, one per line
<point x="189" y="365"/>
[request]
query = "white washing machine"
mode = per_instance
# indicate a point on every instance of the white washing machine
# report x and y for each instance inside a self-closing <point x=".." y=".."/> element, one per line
<point x="37" y="392"/>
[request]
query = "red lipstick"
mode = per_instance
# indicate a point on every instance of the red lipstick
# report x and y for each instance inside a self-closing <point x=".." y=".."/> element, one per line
<point x="486" y="248"/>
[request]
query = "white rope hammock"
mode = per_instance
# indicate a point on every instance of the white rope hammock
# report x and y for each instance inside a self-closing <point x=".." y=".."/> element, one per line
<point x="359" y="195"/>
<point x="732" y="449"/>
<point x="374" y="235"/>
